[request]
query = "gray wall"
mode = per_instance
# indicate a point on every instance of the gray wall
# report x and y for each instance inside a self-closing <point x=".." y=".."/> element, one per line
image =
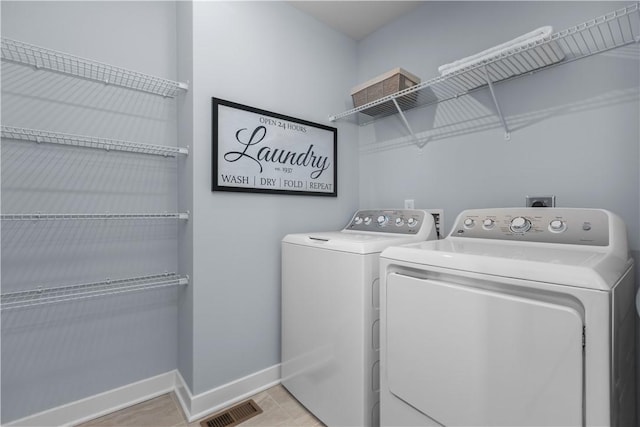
<point x="271" y="56"/>
<point x="58" y="353"/>
<point x="185" y="349"/>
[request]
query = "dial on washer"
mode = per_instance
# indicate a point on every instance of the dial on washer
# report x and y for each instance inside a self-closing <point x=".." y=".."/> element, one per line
<point x="520" y="224"/>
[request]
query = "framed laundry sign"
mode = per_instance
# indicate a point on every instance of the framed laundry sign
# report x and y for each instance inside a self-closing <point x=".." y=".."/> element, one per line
<point x="263" y="152"/>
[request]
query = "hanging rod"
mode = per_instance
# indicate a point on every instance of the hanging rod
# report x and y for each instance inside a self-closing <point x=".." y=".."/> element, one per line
<point x="50" y="217"/>
<point x="610" y="31"/>
<point x="44" y="295"/>
<point x="41" y="57"/>
<point x="42" y="136"/>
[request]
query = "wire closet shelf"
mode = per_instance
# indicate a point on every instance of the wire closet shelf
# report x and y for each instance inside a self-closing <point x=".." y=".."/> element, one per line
<point x="106" y="216"/>
<point x="42" y="295"/>
<point x="613" y="30"/>
<point x="41" y="57"/>
<point x="43" y="136"/>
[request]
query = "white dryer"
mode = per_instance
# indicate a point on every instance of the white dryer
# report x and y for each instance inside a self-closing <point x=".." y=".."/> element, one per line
<point x="330" y="312"/>
<point x="520" y="317"/>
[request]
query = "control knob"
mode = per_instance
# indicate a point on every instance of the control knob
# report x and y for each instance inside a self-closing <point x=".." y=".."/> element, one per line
<point x="367" y="220"/>
<point x="468" y="223"/>
<point x="382" y="220"/>
<point x="412" y="222"/>
<point x="557" y="226"/>
<point x="399" y="222"/>
<point x="520" y="224"/>
<point x="488" y="224"/>
<point x="357" y="220"/>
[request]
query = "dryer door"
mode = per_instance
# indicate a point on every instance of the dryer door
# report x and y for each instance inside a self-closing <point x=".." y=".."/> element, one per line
<point x="470" y="357"/>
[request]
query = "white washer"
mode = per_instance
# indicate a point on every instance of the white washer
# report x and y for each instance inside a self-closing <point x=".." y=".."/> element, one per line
<point x="330" y="312"/>
<point x="520" y="317"/>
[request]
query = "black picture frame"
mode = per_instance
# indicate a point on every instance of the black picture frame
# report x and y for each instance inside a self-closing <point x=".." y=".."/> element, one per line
<point x="259" y="151"/>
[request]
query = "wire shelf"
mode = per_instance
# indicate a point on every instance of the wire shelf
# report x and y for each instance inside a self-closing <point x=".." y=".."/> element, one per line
<point x="613" y="30"/>
<point x="42" y="136"/>
<point x="41" y="57"/>
<point x="108" y="216"/>
<point x="42" y="295"/>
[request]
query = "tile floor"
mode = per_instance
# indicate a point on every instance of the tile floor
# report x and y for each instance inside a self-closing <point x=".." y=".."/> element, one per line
<point x="279" y="408"/>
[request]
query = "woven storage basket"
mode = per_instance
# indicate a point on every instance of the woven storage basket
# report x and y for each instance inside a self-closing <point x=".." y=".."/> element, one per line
<point x="386" y="84"/>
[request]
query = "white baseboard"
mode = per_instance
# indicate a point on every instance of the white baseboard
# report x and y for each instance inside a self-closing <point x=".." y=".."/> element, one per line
<point x="101" y="404"/>
<point x="194" y="407"/>
<point x="203" y="404"/>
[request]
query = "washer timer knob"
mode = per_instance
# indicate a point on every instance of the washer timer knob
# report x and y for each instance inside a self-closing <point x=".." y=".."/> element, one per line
<point x="411" y="222"/>
<point x="382" y="220"/>
<point x="468" y="223"/>
<point x="520" y="225"/>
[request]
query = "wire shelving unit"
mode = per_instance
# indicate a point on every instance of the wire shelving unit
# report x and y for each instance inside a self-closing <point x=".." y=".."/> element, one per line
<point x="105" y="216"/>
<point x="22" y="53"/>
<point x="49" y="295"/>
<point x="613" y="30"/>
<point x="49" y="59"/>
<point x="44" y="136"/>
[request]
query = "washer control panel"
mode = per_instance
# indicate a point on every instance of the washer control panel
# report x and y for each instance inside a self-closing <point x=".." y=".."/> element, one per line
<point x="398" y="221"/>
<point x="548" y="225"/>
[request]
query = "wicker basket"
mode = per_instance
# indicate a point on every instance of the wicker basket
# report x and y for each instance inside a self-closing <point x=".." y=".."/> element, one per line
<point x="384" y="85"/>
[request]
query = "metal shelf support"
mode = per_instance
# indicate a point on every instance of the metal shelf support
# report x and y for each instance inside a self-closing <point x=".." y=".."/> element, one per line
<point x="507" y="134"/>
<point x="419" y="143"/>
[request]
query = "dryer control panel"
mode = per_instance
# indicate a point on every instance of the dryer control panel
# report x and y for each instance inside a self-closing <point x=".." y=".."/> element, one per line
<point x="398" y="221"/>
<point x="548" y="225"/>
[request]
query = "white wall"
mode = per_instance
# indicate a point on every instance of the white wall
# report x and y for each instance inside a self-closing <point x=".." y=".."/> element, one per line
<point x="270" y="56"/>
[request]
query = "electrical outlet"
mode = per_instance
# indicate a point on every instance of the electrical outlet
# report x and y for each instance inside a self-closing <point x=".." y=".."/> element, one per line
<point x="409" y="204"/>
<point x="541" y="201"/>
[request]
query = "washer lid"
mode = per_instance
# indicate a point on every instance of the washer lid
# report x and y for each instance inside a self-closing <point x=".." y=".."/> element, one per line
<point x="344" y="241"/>
<point x="584" y="267"/>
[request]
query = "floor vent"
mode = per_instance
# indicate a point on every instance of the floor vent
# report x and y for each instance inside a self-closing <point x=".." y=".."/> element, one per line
<point x="233" y="416"/>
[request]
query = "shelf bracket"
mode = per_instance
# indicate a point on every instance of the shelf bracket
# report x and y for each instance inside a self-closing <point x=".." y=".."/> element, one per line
<point x="507" y="134"/>
<point x="406" y="123"/>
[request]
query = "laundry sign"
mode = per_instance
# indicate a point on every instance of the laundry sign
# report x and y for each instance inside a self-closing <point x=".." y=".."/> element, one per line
<point x="260" y="151"/>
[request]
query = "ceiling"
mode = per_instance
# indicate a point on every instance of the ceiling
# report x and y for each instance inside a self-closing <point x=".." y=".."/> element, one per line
<point x="356" y="19"/>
